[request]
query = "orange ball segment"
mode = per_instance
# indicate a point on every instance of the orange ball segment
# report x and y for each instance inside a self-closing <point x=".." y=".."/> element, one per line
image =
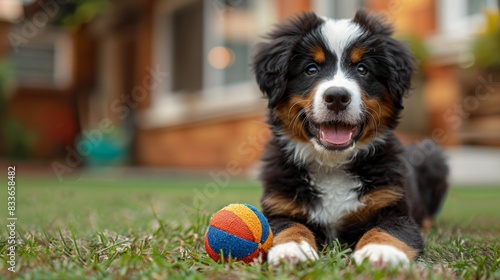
<point x="239" y="231"/>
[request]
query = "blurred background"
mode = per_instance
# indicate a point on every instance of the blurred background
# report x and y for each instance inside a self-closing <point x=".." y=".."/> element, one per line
<point x="165" y="85"/>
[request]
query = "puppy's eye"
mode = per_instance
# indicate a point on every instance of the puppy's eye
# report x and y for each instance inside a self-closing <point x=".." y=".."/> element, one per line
<point x="362" y="70"/>
<point x="311" y="69"/>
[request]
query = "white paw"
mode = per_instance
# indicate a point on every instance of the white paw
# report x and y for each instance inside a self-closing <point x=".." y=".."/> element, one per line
<point x="381" y="255"/>
<point x="292" y="253"/>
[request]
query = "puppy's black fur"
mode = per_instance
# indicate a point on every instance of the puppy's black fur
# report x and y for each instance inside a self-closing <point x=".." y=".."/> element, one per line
<point x="401" y="188"/>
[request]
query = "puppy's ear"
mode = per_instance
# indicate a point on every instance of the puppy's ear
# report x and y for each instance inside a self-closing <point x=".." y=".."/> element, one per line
<point x="372" y="22"/>
<point x="399" y="60"/>
<point x="271" y="58"/>
<point x="402" y="65"/>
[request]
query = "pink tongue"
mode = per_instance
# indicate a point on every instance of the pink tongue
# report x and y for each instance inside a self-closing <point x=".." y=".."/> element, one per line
<point x="335" y="134"/>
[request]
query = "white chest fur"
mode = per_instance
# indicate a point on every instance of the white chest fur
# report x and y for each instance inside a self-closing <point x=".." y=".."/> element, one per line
<point x="338" y="197"/>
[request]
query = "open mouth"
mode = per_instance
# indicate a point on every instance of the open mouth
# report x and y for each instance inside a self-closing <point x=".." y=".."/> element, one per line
<point x="335" y="136"/>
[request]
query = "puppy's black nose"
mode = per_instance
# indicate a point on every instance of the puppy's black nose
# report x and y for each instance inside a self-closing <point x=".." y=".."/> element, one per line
<point x="337" y="99"/>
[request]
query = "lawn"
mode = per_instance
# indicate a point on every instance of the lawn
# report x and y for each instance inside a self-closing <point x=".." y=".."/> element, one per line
<point x="152" y="228"/>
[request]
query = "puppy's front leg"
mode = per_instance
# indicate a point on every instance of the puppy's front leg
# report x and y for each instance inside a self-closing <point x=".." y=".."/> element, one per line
<point x="396" y="243"/>
<point x="293" y="242"/>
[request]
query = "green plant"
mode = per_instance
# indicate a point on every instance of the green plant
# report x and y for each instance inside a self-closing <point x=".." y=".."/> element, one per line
<point x="486" y="45"/>
<point x="5" y="82"/>
<point x="418" y="48"/>
<point x="84" y="11"/>
<point x="15" y="140"/>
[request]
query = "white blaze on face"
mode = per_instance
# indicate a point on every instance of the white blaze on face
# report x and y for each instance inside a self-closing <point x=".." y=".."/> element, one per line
<point x="338" y="35"/>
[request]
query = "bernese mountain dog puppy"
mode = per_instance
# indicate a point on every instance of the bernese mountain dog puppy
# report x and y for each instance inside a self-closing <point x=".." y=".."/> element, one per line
<point x="333" y="168"/>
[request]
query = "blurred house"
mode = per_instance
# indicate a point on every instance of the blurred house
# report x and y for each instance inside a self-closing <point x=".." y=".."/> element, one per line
<point x="173" y="77"/>
<point x="51" y="66"/>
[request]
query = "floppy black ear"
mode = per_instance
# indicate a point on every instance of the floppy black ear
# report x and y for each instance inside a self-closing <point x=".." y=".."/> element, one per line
<point x="271" y="58"/>
<point x="402" y="65"/>
<point x="399" y="58"/>
<point x="372" y="22"/>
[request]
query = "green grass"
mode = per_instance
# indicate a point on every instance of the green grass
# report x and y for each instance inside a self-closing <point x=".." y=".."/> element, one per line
<point x="153" y="229"/>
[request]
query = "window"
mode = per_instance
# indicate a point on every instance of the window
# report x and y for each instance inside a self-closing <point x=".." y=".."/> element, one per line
<point x="206" y="46"/>
<point x="187" y="26"/>
<point x="43" y="61"/>
<point x="35" y="64"/>
<point x="230" y="34"/>
<point x="239" y="70"/>
<point x="476" y="6"/>
<point x="462" y="18"/>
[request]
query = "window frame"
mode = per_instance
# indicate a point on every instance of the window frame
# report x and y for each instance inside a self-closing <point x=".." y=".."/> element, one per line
<point x="214" y="100"/>
<point x="454" y="20"/>
<point x="455" y="31"/>
<point x="62" y="43"/>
